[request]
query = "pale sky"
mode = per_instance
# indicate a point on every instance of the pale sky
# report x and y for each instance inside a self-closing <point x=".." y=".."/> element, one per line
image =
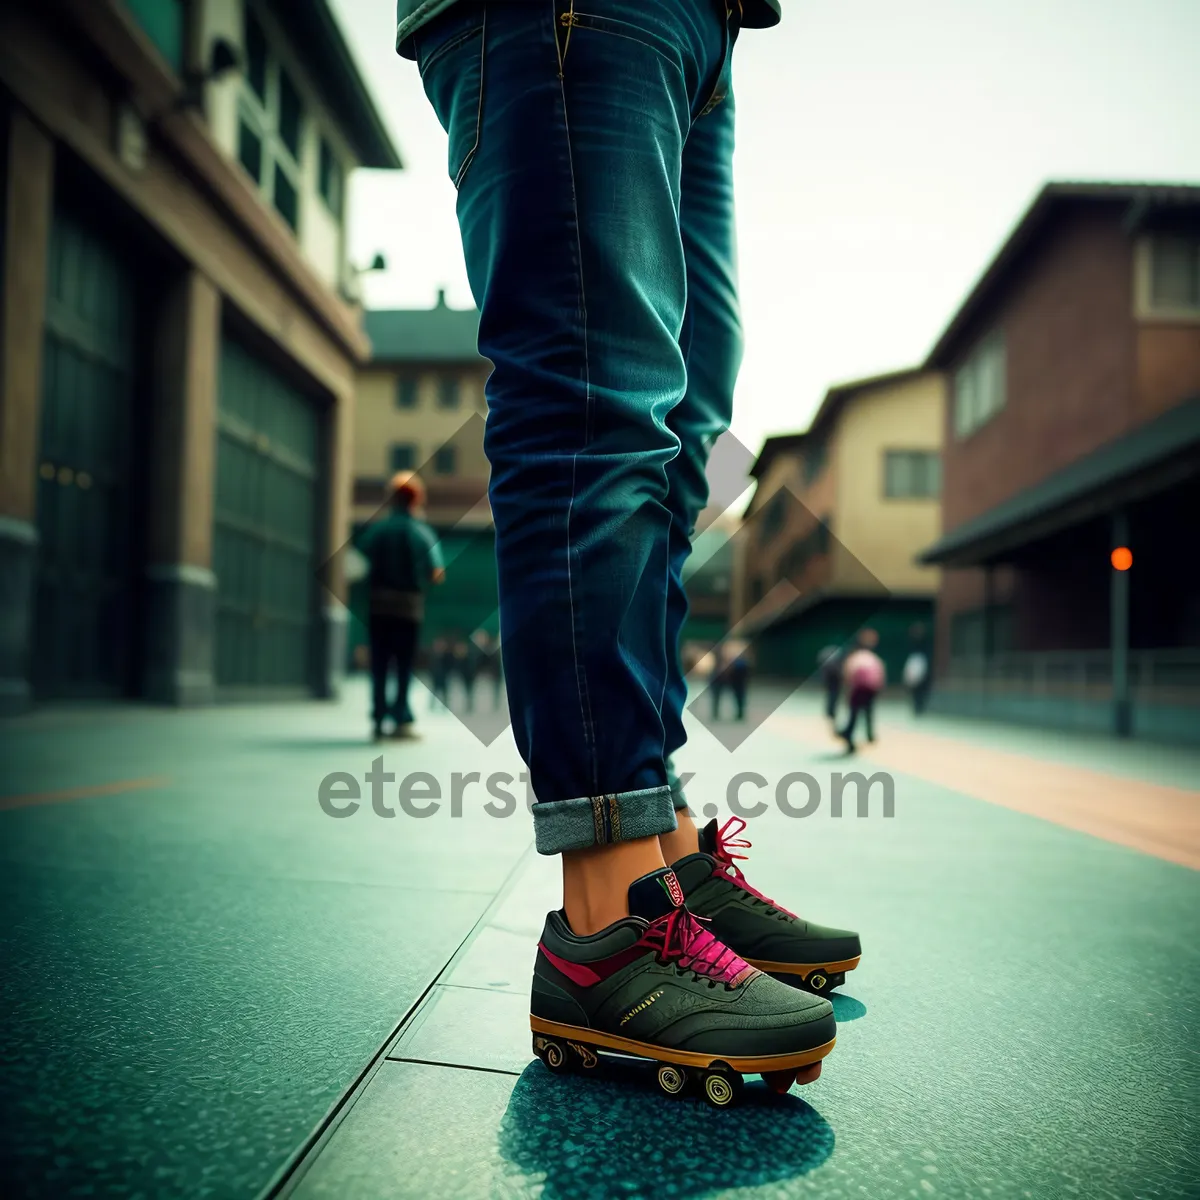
<point x="885" y="150"/>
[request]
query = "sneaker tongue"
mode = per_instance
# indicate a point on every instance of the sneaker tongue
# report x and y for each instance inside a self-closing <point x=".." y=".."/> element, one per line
<point x="655" y="894"/>
<point x="708" y="838"/>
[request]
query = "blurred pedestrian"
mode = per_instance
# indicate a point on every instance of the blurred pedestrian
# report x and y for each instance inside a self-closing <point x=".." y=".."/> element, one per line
<point x="830" y="661"/>
<point x="440" y="662"/>
<point x="738" y="673"/>
<point x="404" y="560"/>
<point x="918" y="676"/>
<point x="466" y="666"/>
<point x="865" y="676"/>
<point x="718" y="678"/>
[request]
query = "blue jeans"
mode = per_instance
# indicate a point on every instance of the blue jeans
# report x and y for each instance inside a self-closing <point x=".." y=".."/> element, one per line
<point x="592" y="154"/>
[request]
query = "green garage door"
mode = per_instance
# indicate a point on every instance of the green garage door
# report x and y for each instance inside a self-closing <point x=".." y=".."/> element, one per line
<point x="265" y="534"/>
<point x="83" y="623"/>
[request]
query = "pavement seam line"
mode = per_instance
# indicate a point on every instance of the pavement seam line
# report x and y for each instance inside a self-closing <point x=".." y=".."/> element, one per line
<point x="292" y="1173"/>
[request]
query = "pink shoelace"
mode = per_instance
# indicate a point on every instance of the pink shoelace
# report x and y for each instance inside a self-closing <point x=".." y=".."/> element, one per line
<point x="679" y="937"/>
<point x="727" y="843"/>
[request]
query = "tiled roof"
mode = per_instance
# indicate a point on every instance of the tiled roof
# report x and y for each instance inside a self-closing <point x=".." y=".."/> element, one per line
<point x="427" y="335"/>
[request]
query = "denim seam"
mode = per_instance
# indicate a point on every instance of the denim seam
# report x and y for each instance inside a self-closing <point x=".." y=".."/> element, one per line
<point x="470" y="158"/>
<point x="608" y="31"/>
<point x="589" y="730"/>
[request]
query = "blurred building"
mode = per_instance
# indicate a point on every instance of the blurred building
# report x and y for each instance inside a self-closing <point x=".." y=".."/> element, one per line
<point x="1074" y="428"/>
<point x="421" y="406"/>
<point x="180" y="339"/>
<point x="837" y="517"/>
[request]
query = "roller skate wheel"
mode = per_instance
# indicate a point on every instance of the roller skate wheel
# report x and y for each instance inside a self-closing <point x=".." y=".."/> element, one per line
<point x="552" y="1053"/>
<point x="719" y="1089"/>
<point x="672" y="1079"/>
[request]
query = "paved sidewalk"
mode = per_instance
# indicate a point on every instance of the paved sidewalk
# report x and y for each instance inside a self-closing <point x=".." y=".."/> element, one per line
<point x="1022" y="1025"/>
<point x="198" y="962"/>
<point x="214" y="989"/>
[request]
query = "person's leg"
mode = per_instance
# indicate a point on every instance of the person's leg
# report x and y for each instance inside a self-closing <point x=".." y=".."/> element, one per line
<point x="407" y="634"/>
<point x="847" y="730"/>
<point x="581" y="286"/>
<point x="869" y="716"/>
<point x="711" y="342"/>
<point x="739" y="692"/>
<point x="379" y="672"/>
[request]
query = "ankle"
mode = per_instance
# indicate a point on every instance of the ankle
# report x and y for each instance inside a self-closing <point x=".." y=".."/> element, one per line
<point x="681" y="841"/>
<point x="596" y="881"/>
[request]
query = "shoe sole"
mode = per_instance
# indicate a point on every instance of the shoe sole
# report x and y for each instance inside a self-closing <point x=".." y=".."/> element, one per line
<point x="813" y="977"/>
<point x="758" y="1065"/>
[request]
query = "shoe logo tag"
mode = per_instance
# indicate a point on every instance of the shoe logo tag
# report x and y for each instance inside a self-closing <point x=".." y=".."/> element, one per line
<point x="673" y="889"/>
<point x="637" y="1008"/>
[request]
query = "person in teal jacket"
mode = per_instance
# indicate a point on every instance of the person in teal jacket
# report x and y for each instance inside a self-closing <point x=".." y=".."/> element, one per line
<point x="404" y="560"/>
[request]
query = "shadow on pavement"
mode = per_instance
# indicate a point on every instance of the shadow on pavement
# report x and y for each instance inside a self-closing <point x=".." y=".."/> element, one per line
<point x="846" y="1008"/>
<point x="615" y="1134"/>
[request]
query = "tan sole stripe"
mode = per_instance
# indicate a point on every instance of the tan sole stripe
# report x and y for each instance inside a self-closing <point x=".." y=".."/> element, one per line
<point x="774" y="968"/>
<point x="744" y="1066"/>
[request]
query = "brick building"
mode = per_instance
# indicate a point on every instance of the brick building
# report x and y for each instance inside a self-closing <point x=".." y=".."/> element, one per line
<point x="1074" y="427"/>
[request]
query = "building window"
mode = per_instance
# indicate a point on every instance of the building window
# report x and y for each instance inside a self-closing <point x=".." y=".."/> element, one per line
<point x="256" y="58"/>
<point x="444" y="461"/>
<point x="287" y="203"/>
<point x="773" y="518"/>
<point x="912" y="474"/>
<point x="163" y="23"/>
<point x="404" y="456"/>
<point x="756" y="589"/>
<point x="979" y="386"/>
<point x="448" y="391"/>
<point x="815" y="455"/>
<point x="406" y="392"/>
<point x="330" y="180"/>
<point x="1175" y="273"/>
<point x="270" y="126"/>
<point x="250" y="151"/>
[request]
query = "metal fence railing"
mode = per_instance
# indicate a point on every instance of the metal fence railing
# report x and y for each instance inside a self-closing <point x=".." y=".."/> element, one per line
<point x="1155" y="676"/>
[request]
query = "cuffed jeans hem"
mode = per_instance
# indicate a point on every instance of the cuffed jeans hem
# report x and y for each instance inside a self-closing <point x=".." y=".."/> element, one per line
<point x="560" y="825"/>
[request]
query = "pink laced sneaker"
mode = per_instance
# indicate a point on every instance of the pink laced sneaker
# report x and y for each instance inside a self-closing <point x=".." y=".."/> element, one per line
<point x="679" y="937"/>
<point x="726" y="842"/>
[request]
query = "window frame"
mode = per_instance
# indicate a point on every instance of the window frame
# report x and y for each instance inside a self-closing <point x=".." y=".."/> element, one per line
<point x="445" y="382"/>
<point x="408" y="381"/>
<point x="976" y="399"/>
<point x="327" y="155"/>
<point x="411" y="465"/>
<point x="930" y="462"/>
<point x="262" y="116"/>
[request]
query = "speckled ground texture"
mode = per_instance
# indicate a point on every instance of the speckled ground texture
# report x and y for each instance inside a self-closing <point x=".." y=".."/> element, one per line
<point x="198" y="971"/>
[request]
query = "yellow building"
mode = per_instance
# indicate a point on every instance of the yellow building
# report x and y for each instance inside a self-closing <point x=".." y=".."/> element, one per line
<point x="837" y="518"/>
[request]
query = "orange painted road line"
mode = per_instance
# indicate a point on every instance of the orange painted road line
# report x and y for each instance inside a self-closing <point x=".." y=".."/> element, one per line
<point x="1150" y="817"/>
<point x="83" y="793"/>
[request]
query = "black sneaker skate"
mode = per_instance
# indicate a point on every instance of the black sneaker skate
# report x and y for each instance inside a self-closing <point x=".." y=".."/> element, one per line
<point x="659" y="985"/>
<point x="765" y="933"/>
